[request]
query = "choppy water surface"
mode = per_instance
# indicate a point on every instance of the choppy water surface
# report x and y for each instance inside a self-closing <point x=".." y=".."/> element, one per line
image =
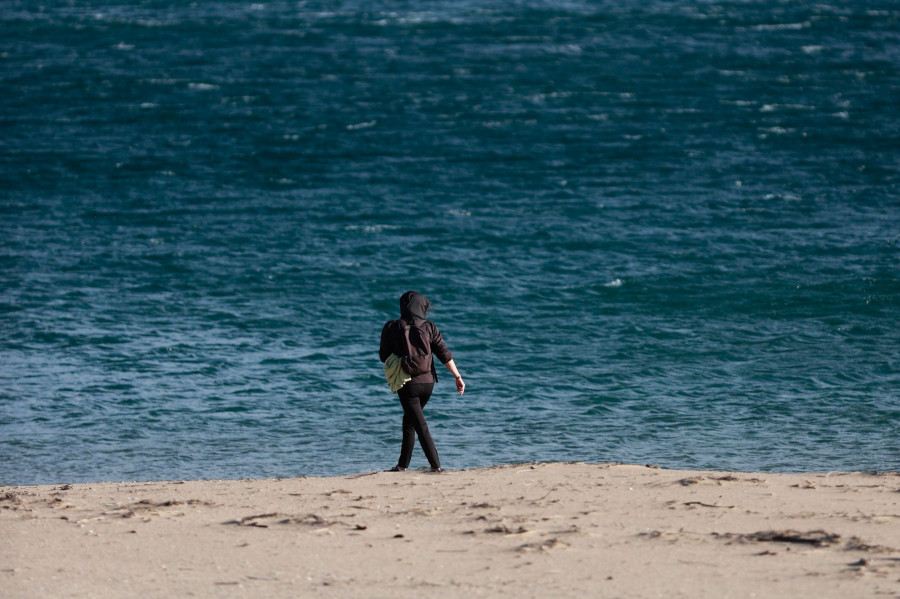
<point x="652" y="231"/>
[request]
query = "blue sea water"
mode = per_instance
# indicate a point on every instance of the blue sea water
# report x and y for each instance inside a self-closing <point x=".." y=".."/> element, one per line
<point x="652" y="231"/>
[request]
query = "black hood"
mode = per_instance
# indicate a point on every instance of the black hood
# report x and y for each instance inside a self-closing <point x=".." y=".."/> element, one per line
<point x="413" y="306"/>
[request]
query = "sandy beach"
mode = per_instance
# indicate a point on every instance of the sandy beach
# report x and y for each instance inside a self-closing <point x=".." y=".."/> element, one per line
<point x="530" y="530"/>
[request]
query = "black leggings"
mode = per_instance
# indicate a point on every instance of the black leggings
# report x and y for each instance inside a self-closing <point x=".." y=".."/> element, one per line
<point x="413" y="397"/>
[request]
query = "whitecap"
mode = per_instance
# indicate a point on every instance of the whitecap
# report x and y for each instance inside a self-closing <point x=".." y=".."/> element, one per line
<point x="614" y="283"/>
<point x="841" y="115"/>
<point x="682" y="111"/>
<point x="202" y="86"/>
<point x="812" y="49"/>
<point x="414" y="18"/>
<point x="358" y="126"/>
<point x="787" y="197"/>
<point x="566" y="49"/>
<point x="774" y="107"/>
<point x="777" y="130"/>
<point x="123" y="46"/>
<point x="783" y="26"/>
<point x="370" y="228"/>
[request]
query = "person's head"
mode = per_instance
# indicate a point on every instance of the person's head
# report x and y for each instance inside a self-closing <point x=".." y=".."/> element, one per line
<point x="413" y="306"/>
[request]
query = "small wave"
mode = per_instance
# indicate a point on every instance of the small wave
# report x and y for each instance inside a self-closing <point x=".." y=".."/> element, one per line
<point x="154" y="23"/>
<point x="566" y="49"/>
<point x="782" y="26"/>
<point x="741" y="103"/>
<point x="788" y="197"/>
<point x="777" y="130"/>
<point x="415" y="18"/>
<point x="202" y="86"/>
<point x="358" y="126"/>
<point x="614" y="283"/>
<point x="776" y="107"/>
<point x="143" y="22"/>
<point x="370" y="228"/>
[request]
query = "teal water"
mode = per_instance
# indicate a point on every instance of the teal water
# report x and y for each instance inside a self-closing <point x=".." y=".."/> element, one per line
<point x="661" y="232"/>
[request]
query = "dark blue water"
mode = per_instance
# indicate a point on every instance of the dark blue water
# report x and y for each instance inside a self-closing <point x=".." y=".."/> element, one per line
<point x="661" y="232"/>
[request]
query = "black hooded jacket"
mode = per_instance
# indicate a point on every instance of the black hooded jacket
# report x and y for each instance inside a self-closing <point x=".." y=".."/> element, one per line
<point x="424" y="336"/>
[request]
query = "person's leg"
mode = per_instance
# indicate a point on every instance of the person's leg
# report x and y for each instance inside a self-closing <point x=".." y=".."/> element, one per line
<point x="413" y="397"/>
<point x="409" y="429"/>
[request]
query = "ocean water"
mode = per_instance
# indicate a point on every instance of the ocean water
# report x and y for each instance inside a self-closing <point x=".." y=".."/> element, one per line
<point x="652" y="231"/>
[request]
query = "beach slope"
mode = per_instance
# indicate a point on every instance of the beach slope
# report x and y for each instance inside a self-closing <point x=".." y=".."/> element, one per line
<point x="531" y="530"/>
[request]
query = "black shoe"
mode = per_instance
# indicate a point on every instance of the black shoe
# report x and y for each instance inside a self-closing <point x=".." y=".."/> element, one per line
<point x="397" y="469"/>
<point x="437" y="470"/>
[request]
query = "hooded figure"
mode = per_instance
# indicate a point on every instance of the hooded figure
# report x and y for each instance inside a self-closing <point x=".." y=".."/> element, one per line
<point x="414" y="340"/>
<point x="413" y="307"/>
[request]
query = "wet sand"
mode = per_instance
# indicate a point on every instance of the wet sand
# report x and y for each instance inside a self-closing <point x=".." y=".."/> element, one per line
<point x="531" y="530"/>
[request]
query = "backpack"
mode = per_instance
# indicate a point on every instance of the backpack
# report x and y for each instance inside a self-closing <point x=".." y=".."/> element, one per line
<point x="414" y="364"/>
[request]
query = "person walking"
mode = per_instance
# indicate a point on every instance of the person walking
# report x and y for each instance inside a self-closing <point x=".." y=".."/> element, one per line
<point x="407" y="347"/>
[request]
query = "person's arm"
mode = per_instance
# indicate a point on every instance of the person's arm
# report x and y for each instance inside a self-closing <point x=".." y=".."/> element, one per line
<point x="460" y="385"/>
<point x="384" y="349"/>
<point x="439" y="348"/>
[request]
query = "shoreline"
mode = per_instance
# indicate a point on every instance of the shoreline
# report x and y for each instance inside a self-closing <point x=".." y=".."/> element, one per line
<point x="425" y="470"/>
<point x="532" y="530"/>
